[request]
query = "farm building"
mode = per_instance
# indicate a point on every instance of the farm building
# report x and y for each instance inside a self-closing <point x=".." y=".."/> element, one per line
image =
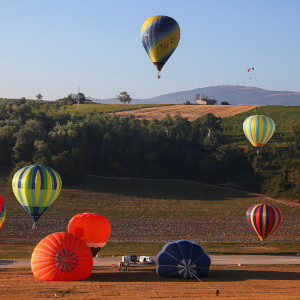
<point x="201" y="102"/>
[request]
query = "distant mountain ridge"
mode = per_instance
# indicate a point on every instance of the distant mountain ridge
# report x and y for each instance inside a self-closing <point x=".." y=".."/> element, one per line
<point x="234" y="94"/>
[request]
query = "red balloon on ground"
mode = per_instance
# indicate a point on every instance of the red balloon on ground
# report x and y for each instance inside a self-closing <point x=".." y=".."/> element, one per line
<point x="61" y="256"/>
<point x="93" y="228"/>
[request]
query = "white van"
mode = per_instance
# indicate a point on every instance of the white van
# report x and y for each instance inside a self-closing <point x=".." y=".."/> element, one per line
<point x="147" y="260"/>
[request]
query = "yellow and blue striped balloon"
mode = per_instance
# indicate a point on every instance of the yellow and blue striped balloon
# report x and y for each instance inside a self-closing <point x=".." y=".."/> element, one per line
<point x="258" y="129"/>
<point x="36" y="187"/>
<point x="160" y="37"/>
<point x="2" y="211"/>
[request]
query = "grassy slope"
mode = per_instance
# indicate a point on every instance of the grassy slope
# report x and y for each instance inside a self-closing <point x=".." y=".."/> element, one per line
<point x="285" y="118"/>
<point x="142" y="248"/>
<point x="110" y="108"/>
<point x="147" y="198"/>
<point x="150" y="198"/>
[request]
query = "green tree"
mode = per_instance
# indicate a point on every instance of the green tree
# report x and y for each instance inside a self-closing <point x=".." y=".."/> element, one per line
<point x="81" y="98"/>
<point x="124" y="97"/>
<point x="39" y="97"/>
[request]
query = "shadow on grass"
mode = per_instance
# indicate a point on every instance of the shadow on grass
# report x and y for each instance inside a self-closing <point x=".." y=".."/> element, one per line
<point x="147" y="275"/>
<point x="6" y="262"/>
<point x="160" y="189"/>
<point x="241" y="275"/>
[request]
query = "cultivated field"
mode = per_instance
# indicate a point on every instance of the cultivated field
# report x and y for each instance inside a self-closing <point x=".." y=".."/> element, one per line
<point x="151" y="211"/>
<point x="238" y="282"/>
<point x="109" y="108"/>
<point x="191" y="112"/>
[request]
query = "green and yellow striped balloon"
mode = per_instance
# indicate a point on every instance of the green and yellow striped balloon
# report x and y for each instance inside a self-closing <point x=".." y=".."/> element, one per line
<point x="258" y="129"/>
<point x="36" y="187"/>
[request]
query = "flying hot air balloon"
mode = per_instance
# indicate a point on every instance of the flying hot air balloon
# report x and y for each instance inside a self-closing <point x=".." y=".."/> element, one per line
<point x="182" y="259"/>
<point x="160" y="37"/>
<point x="36" y="187"/>
<point x="264" y="219"/>
<point x="2" y="211"/>
<point x="61" y="256"/>
<point x="259" y="129"/>
<point x="93" y="228"/>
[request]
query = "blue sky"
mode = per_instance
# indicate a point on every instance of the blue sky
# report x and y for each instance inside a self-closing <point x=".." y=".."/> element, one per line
<point x="54" y="46"/>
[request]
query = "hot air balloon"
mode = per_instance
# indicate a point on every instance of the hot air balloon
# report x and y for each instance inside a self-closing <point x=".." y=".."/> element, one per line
<point x="264" y="219"/>
<point x="94" y="229"/>
<point x="160" y="37"/>
<point x="61" y="256"/>
<point x="2" y="211"/>
<point x="36" y="187"/>
<point x="258" y="129"/>
<point x="182" y="259"/>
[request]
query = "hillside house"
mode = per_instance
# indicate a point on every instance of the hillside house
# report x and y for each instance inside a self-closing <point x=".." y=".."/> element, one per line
<point x="202" y="101"/>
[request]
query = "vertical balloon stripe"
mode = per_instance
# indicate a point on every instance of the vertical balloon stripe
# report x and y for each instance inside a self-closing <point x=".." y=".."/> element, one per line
<point x="20" y="177"/>
<point x="264" y="129"/>
<point x="261" y="128"/>
<point x="271" y="220"/>
<point x="258" y="219"/>
<point x="249" y="129"/>
<point x="263" y="219"/>
<point x="253" y="219"/>
<point x="270" y="132"/>
<point x="2" y="211"/>
<point x="253" y="129"/>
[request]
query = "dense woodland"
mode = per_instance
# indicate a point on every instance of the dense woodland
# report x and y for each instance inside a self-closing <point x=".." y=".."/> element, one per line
<point x="77" y="145"/>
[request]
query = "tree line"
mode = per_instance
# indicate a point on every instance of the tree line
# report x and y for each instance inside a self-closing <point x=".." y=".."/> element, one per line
<point x="76" y="145"/>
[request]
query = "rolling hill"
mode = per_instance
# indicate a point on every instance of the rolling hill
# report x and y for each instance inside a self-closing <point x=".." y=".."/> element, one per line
<point x="234" y="94"/>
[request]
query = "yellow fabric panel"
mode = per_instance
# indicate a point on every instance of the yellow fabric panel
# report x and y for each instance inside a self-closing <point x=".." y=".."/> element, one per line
<point x="261" y="129"/>
<point x="253" y="130"/>
<point x="148" y="22"/>
<point x="24" y="189"/>
<point x="267" y="131"/>
<point x="252" y="222"/>
<point x="264" y="220"/>
<point x="160" y="49"/>
<point x="248" y="133"/>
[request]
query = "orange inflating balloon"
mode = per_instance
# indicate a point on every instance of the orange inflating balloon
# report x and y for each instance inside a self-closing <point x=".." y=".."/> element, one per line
<point x="94" y="229"/>
<point x="61" y="256"/>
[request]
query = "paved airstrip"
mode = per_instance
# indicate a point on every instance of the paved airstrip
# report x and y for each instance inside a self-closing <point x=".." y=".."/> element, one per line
<point x="216" y="260"/>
